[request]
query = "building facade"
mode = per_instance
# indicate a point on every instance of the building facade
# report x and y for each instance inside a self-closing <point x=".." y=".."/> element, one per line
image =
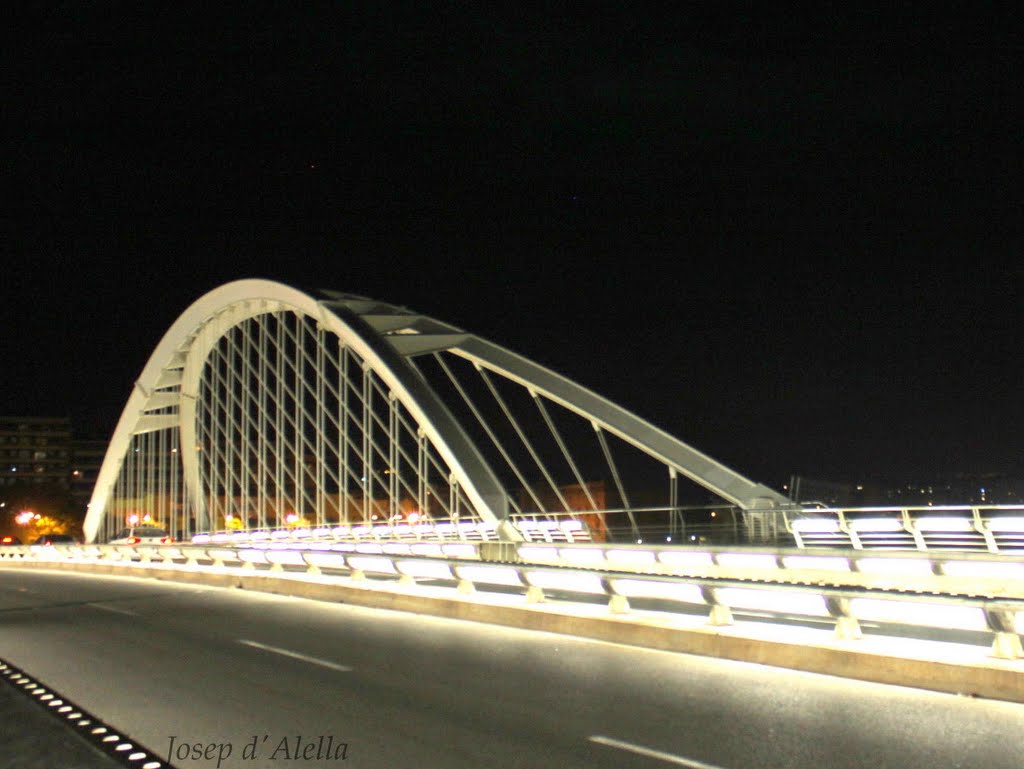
<point x="36" y="450"/>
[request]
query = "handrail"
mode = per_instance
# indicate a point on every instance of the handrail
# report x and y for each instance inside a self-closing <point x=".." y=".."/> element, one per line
<point x="983" y="528"/>
<point x="937" y="605"/>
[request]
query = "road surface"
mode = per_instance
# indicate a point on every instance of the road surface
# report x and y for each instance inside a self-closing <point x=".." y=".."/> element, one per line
<point x="215" y="672"/>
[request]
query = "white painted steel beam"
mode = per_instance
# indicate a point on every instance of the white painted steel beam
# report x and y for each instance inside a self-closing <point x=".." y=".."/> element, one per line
<point x="383" y="337"/>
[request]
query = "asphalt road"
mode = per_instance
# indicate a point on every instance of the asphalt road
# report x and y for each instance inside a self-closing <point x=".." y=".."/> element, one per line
<point x="214" y="668"/>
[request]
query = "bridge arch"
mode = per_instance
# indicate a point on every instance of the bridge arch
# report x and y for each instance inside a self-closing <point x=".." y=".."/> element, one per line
<point x="216" y="352"/>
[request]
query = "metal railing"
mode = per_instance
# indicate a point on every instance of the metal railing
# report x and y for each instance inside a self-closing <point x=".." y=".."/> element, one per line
<point x="992" y="529"/>
<point x="953" y="591"/>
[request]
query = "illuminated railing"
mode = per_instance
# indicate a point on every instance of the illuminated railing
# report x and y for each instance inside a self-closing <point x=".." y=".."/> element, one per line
<point x="993" y="529"/>
<point x="566" y="530"/>
<point x="985" y="594"/>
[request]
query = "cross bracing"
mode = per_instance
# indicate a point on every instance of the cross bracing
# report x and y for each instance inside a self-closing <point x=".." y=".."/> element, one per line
<point x="264" y="407"/>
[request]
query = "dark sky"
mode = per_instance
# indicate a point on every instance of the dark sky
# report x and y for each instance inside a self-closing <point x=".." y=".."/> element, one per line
<point x="792" y="241"/>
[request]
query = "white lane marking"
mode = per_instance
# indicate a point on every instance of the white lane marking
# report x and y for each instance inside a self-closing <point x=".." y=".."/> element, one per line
<point x="115" y="610"/>
<point x="651" y="753"/>
<point x="296" y="655"/>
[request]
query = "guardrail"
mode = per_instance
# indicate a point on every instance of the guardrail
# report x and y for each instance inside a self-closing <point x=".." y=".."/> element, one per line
<point x="982" y="528"/>
<point x="991" y="528"/>
<point x="567" y="530"/>
<point x="957" y="593"/>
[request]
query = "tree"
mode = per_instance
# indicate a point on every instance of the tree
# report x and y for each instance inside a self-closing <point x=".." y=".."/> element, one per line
<point x="50" y="506"/>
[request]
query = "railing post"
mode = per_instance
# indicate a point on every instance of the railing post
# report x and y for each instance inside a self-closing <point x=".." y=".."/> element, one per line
<point x="1002" y="622"/>
<point x="847" y="626"/>
<point x="720" y="614"/>
<point x="617" y="604"/>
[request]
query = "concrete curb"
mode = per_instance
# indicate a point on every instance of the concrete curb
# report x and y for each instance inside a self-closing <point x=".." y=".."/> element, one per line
<point x="982" y="677"/>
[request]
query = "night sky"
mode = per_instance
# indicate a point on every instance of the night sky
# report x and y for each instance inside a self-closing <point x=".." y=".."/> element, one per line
<point x="791" y="241"/>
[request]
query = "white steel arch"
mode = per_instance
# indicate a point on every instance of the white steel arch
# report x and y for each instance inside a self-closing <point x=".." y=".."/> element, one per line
<point x="386" y="338"/>
<point x="179" y="357"/>
<point x="432" y="334"/>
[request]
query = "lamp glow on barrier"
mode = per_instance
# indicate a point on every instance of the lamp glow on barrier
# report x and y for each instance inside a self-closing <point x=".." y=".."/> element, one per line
<point x="376" y="565"/>
<point x="983" y="569"/>
<point x="426" y="548"/>
<point x="945" y="523"/>
<point x="285" y="557"/>
<point x="876" y="524"/>
<point x="253" y="555"/>
<point x="816" y="525"/>
<point x="903" y="567"/>
<point x="824" y="563"/>
<point x="223" y="554"/>
<point x="490" y="575"/>
<point x="326" y="560"/>
<point x="1005" y="524"/>
<point x="428" y="569"/>
<point x="673" y="591"/>
<point x="631" y="557"/>
<point x="583" y="556"/>
<point x="940" y="615"/>
<point x="458" y="550"/>
<point x="538" y="553"/>
<point x="572" y="581"/>
<point x="779" y="601"/>
<point x="686" y="560"/>
<point x="747" y="560"/>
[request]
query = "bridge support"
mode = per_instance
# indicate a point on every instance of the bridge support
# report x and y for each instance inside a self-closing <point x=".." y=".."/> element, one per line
<point x="1002" y="620"/>
<point x="847" y="626"/>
